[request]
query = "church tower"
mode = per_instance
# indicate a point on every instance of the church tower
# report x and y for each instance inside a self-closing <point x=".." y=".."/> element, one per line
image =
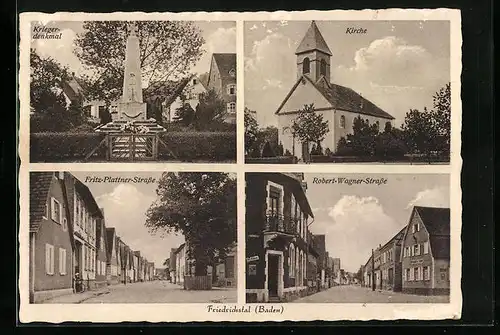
<point x="313" y="55"/>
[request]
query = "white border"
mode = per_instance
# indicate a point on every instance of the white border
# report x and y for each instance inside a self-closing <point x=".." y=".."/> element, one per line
<point x="198" y="312"/>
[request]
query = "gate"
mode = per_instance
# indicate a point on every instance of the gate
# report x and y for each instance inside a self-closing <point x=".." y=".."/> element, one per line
<point x="132" y="147"/>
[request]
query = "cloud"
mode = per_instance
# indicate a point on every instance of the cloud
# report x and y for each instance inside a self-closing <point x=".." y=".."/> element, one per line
<point x="435" y="197"/>
<point x="222" y="40"/>
<point x="269" y="66"/>
<point x="254" y="27"/>
<point x="356" y="225"/>
<point x="394" y="74"/>
<point x="125" y="209"/>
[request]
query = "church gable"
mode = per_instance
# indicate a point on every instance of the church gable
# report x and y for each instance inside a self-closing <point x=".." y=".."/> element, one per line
<point x="303" y="93"/>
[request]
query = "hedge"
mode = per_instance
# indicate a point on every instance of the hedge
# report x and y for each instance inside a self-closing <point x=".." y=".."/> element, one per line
<point x="68" y="146"/>
<point x="271" y="160"/>
<point x="210" y="146"/>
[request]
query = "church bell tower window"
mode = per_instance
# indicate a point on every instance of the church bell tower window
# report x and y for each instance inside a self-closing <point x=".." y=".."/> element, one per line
<point x="306" y="66"/>
<point x="322" y="68"/>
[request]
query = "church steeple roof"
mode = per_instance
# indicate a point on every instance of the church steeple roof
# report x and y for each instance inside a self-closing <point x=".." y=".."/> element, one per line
<point x="313" y="40"/>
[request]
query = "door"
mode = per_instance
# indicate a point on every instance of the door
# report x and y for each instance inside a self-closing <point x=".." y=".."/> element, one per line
<point x="272" y="273"/>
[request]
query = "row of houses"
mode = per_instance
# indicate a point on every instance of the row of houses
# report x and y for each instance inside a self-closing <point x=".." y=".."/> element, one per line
<point x="417" y="259"/>
<point x="284" y="260"/>
<point x="164" y="98"/>
<point x="71" y="248"/>
<point x="180" y="265"/>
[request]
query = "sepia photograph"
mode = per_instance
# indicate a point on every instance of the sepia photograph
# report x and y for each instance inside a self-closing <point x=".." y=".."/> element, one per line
<point x="347" y="238"/>
<point x="145" y="237"/>
<point x="133" y="91"/>
<point x="347" y="92"/>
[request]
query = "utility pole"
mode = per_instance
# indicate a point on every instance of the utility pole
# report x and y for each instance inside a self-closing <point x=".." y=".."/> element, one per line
<point x="373" y="271"/>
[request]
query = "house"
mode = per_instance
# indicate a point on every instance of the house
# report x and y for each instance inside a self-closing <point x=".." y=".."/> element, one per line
<point x="426" y="252"/>
<point x="112" y="257"/>
<point x="85" y="214"/>
<point x="390" y="263"/>
<point x="138" y="261"/>
<point x="188" y="91"/>
<point x="180" y="264"/>
<point x="280" y="253"/>
<point x="118" y="256"/>
<point x="222" y="78"/>
<point x="173" y="265"/>
<point x="101" y="253"/>
<point x="51" y="237"/>
<point x="337" y="104"/>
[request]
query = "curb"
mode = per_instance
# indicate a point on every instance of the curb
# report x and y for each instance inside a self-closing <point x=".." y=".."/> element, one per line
<point x="96" y="294"/>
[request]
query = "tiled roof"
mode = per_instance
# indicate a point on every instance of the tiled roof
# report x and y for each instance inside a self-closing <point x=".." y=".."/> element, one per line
<point x="313" y="40"/>
<point x="39" y="191"/>
<point x="437" y="223"/>
<point x="89" y="199"/>
<point x="225" y="62"/>
<point x="344" y="98"/>
<point x="341" y="98"/>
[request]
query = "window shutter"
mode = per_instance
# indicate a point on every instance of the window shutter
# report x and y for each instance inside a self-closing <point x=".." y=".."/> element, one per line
<point x="47" y="258"/>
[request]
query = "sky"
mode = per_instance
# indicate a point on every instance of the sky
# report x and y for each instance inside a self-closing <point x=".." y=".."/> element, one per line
<point x="357" y="218"/>
<point x="220" y="37"/>
<point x="125" y="206"/>
<point x="397" y="65"/>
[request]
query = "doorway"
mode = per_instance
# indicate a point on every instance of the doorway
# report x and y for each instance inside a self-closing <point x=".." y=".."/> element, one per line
<point x="273" y="274"/>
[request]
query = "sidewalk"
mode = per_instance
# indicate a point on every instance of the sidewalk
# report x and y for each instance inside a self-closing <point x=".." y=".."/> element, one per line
<point x="77" y="298"/>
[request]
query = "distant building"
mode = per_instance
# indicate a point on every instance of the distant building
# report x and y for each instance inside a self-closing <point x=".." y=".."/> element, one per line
<point x="101" y="252"/>
<point x="222" y="78"/>
<point x="112" y="257"/>
<point x="390" y="263"/>
<point x="188" y="91"/>
<point x="426" y="252"/>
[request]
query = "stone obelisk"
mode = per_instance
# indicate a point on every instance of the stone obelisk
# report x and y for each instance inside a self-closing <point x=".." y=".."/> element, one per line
<point x="131" y="107"/>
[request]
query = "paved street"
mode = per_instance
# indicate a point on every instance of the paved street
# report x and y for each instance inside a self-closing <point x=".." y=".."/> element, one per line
<point x="358" y="294"/>
<point x="150" y="292"/>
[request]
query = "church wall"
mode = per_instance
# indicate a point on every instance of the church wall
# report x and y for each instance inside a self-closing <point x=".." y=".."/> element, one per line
<point x="349" y="122"/>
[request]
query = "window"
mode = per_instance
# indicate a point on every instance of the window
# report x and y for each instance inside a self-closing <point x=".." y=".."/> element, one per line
<point x="416" y="249"/>
<point x="297" y="258"/>
<point x="291" y="260"/>
<point x="408" y="274"/>
<point x="426" y="247"/>
<point x="377" y="124"/>
<point x="306" y="66"/>
<point x="412" y="274"/>
<point x="231" y="108"/>
<point x="231" y="89"/>
<point x="195" y="82"/>
<point x="443" y="273"/>
<point x="342" y="121"/>
<point x="46" y="213"/>
<point x="416" y="273"/>
<point x="322" y="67"/>
<point x="56" y="214"/>
<point x="64" y="224"/>
<point x="62" y="261"/>
<point x="49" y="259"/>
<point x="415" y="228"/>
<point x="426" y="273"/>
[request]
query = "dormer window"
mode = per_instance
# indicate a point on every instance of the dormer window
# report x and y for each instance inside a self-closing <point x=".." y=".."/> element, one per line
<point x="231" y="89"/>
<point x="232" y="73"/>
<point x="306" y="66"/>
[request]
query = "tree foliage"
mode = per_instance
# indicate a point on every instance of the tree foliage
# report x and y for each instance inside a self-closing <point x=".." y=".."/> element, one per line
<point x="168" y="49"/>
<point x="210" y="109"/>
<point x="251" y="130"/>
<point x="200" y="206"/>
<point x="309" y="126"/>
<point x="184" y="115"/>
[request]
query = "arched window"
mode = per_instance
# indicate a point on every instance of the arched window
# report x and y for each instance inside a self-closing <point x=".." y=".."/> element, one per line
<point x="342" y="121"/>
<point x="322" y="67"/>
<point x="367" y="122"/>
<point x="231" y="108"/>
<point x="306" y="66"/>
<point x="231" y="89"/>
<point x="297" y="258"/>
<point x="378" y="125"/>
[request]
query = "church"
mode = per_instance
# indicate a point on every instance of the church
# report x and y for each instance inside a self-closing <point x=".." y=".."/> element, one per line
<point x="339" y="105"/>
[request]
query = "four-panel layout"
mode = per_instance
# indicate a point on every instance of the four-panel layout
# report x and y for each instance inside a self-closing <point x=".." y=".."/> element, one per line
<point x="316" y="93"/>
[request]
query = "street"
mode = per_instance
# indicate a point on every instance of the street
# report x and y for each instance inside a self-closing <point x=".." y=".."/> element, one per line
<point x="157" y="291"/>
<point x="358" y="294"/>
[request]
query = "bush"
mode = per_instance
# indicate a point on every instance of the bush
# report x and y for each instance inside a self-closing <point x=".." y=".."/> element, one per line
<point x="54" y="147"/>
<point x="188" y="146"/>
<point x="210" y="146"/>
<point x="268" y="151"/>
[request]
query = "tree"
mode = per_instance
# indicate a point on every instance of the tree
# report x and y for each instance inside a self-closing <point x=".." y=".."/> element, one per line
<point x="210" y="109"/>
<point x="251" y="130"/>
<point x="201" y="206"/>
<point x="419" y="131"/>
<point x="362" y="141"/>
<point x="441" y="116"/>
<point x="185" y="115"/>
<point x="168" y="49"/>
<point x="309" y="126"/>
